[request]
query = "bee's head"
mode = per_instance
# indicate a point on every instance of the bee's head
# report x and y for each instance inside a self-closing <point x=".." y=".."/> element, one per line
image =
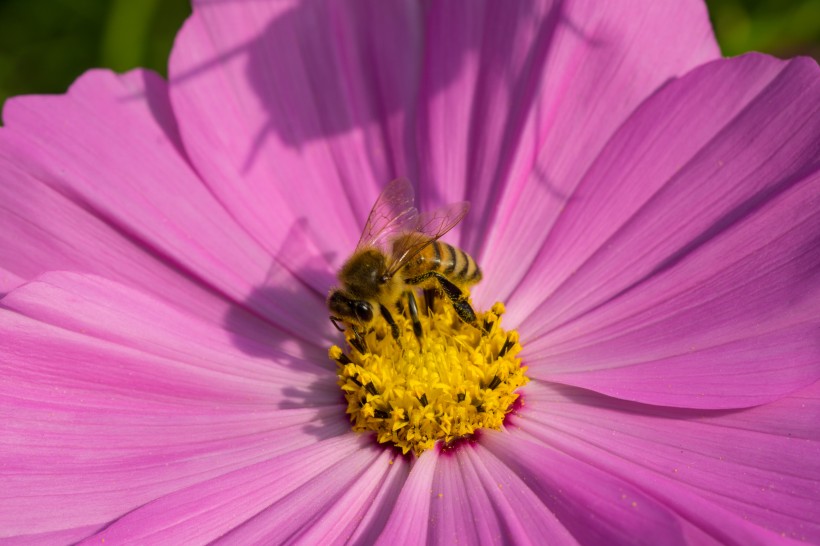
<point x="347" y="309"/>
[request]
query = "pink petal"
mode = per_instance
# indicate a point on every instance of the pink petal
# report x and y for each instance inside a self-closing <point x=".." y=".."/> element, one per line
<point x="537" y="88"/>
<point x="731" y="474"/>
<point x="469" y="496"/>
<point x="327" y="511"/>
<point x="410" y="518"/>
<point x="694" y="285"/>
<point x="311" y="102"/>
<point x="371" y="524"/>
<point x="263" y="503"/>
<point x="113" y="399"/>
<point x="79" y="193"/>
<point x="599" y="508"/>
<point x="594" y="506"/>
<point x="460" y="510"/>
<point x="476" y="498"/>
<point x="69" y="536"/>
<point x="284" y="107"/>
<point x="9" y="281"/>
<point x="112" y="313"/>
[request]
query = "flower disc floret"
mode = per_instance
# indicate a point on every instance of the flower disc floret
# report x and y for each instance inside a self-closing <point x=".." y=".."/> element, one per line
<point x="452" y="381"/>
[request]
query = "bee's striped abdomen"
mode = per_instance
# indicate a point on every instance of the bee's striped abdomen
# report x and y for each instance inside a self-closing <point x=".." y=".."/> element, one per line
<point x="453" y="262"/>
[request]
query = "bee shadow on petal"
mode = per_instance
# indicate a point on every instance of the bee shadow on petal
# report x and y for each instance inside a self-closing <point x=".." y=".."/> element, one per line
<point x="365" y="81"/>
<point x="285" y="321"/>
<point x="323" y="69"/>
<point x="317" y="71"/>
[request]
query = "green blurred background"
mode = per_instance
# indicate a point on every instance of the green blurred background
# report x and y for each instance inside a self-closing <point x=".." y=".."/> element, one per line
<point x="46" y="44"/>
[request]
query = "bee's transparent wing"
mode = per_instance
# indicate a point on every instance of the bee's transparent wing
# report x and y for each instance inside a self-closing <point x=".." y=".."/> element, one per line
<point x="429" y="227"/>
<point x="392" y="213"/>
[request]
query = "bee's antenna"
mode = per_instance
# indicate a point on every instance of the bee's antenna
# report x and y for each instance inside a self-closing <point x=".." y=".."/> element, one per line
<point x="336" y="321"/>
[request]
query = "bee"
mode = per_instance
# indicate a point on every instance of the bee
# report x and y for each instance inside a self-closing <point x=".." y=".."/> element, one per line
<point x="399" y="253"/>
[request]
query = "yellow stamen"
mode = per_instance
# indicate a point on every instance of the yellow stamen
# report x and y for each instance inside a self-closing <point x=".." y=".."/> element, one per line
<point x="459" y="380"/>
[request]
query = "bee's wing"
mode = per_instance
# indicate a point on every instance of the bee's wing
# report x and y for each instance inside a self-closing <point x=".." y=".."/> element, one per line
<point x="430" y="227"/>
<point x="392" y="213"/>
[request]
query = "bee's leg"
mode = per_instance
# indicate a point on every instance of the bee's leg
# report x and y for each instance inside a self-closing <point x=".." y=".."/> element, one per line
<point x="414" y="314"/>
<point x="429" y="299"/>
<point x="453" y="292"/>
<point x="394" y="328"/>
<point x="358" y="342"/>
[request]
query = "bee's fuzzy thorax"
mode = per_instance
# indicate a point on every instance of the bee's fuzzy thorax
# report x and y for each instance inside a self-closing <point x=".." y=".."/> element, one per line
<point x="362" y="273"/>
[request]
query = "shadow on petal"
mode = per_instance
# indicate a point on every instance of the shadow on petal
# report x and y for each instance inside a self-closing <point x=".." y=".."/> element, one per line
<point x="292" y="303"/>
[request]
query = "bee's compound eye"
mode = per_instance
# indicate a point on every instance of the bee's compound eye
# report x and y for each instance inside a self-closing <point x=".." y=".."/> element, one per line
<point x="364" y="311"/>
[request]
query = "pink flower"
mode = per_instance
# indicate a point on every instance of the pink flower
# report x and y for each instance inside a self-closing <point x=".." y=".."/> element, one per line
<point x="648" y="213"/>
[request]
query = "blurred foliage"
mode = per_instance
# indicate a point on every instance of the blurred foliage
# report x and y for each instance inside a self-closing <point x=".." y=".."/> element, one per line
<point x="784" y="28"/>
<point x="46" y="44"/>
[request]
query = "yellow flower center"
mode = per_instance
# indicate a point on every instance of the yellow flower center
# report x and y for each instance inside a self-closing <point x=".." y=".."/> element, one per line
<point x="454" y="381"/>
